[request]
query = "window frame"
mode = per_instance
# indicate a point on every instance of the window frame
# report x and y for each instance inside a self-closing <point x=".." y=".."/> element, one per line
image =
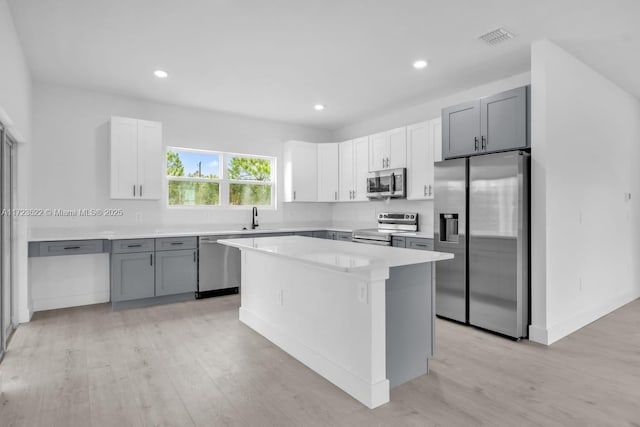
<point x="224" y="181"/>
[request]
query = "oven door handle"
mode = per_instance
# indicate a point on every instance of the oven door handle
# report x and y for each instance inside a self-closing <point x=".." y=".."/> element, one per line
<point x="371" y="242"/>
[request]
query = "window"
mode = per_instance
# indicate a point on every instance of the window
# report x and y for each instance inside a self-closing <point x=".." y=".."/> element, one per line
<point x="208" y="178"/>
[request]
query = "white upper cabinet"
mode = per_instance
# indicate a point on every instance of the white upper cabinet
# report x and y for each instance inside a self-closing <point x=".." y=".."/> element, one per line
<point x="361" y="166"/>
<point x="328" y="172"/>
<point x="422" y="139"/>
<point x="135" y="159"/>
<point x="347" y="172"/>
<point x="436" y="133"/>
<point x="354" y="168"/>
<point x="300" y="171"/>
<point x="388" y="150"/>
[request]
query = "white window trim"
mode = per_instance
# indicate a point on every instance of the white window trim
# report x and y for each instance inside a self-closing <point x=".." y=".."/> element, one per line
<point x="224" y="181"/>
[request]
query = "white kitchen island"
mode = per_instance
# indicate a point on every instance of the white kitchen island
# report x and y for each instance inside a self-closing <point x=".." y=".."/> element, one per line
<point x="362" y="316"/>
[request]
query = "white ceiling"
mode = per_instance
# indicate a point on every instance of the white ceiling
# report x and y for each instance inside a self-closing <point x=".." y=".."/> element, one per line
<point x="275" y="59"/>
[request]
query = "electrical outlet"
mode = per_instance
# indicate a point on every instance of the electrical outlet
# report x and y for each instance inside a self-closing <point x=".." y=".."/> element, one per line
<point x="580" y="284"/>
<point x="280" y="297"/>
<point x="138" y="216"/>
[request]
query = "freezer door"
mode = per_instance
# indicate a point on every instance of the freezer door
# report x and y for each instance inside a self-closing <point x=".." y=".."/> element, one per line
<point x="450" y="236"/>
<point x="498" y="245"/>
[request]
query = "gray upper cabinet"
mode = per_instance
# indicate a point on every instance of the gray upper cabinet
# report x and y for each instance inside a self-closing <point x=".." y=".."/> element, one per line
<point x="491" y="124"/>
<point x="132" y="276"/>
<point x="503" y="124"/>
<point x="461" y="129"/>
<point x="176" y="272"/>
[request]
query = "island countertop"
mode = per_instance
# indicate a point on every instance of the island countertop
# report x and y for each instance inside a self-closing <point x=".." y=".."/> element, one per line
<point x="336" y="255"/>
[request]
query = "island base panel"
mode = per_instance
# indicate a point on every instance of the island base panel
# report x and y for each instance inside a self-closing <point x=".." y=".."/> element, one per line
<point x="332" y="321"/>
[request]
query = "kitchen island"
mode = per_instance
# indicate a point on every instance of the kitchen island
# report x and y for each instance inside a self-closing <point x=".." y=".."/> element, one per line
<point x="362" y="316"/>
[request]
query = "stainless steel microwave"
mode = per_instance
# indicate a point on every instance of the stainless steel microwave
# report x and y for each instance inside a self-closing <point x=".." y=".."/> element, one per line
<point x="387" y="184"/>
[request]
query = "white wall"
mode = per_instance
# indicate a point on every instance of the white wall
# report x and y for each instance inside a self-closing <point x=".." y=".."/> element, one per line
<point x="585" y="153"/>
<point x="360" y="212"/>
<point x="427" y="110"/>
<point x="69" y="160"/>
<point x="15" y="112"/>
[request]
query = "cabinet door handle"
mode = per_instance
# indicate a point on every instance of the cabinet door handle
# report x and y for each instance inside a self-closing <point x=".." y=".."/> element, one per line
<point x="294" y="195"/>
<point x="336" y="195"/>
<point x="151" y="260"/>
<point x="141" y="191"/>
<point x="194" y="256"/>
<point x="475" y="141"/>
<point x="134" y="190"/>
<point x="66" y="248"/>
<point x="134" y="246"/>
<point x="177" y="243"/>
<point x="425" y="189"/>
<point x="484" y="142"/>
<point x="383" y="163"/>
<point x="430" y="190"/>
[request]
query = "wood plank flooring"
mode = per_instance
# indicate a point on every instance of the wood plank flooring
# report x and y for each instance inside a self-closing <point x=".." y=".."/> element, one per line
<point x="195" y="364"/>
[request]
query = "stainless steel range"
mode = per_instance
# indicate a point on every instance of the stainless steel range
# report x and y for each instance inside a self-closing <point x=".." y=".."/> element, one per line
<point x="388" y="224"/>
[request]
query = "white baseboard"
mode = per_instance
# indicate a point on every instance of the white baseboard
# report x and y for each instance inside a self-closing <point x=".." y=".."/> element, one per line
<point x="538" y="334"/>
<point x="571" y="324"/>
<point x="69" y="301"/>
<point x="371" y="395"/>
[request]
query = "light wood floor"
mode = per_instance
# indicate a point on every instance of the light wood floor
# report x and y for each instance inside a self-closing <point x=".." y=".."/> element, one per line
<point x="194" y="363"/>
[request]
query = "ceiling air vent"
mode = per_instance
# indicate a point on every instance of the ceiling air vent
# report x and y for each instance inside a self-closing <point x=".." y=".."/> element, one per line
<point x="496" y="36"/>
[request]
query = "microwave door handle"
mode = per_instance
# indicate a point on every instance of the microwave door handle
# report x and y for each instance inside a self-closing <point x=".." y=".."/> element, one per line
<point x="392" y="184"/>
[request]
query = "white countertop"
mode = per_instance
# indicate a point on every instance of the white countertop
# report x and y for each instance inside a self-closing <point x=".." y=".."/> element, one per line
<point x="336" y="255"/>
<point x="146" y="232"/>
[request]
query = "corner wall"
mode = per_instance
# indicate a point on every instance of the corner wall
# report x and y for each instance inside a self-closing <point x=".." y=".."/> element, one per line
<point x="70" y="167"/>
<point x="585" y="235"/>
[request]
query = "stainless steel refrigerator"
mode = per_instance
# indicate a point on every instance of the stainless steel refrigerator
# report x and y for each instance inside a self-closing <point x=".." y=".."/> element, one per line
<point x="482" y="217"/>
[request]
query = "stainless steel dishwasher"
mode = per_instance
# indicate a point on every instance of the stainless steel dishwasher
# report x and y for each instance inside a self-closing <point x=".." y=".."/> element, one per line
<point x="218" y="267"/>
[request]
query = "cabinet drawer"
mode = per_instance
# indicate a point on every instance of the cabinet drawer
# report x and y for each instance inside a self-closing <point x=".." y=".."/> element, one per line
<point x="68" y="247"/>
<point x="345" y="237"/>
<point x="175" y="243"/>
<point x="398" y="242"/>
<point x="320" y="234"/>
<point x="418" y="243"/>
<point x="132" y="245"/>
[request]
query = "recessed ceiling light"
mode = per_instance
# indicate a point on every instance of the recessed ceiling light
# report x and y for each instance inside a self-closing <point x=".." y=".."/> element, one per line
<point x="318" y="107"/>
<point x="161" y="74"/>
<point x="420" y="64"/>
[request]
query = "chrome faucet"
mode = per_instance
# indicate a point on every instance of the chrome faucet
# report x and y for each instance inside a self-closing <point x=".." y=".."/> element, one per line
<point x="254" y="218"/>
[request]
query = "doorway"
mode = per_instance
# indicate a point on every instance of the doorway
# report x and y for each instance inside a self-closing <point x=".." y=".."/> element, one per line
<point x="7" y="220"/>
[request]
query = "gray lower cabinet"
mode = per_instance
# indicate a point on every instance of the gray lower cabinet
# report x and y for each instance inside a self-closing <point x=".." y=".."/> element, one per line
<point x="419" y="243"/>
<point x="322" y="234"/>
<point x="147" y="269"/>
<point x="344" y="236"/>
<point x="132" y="276"/>
<point x="491" y="124"/>
<point x="176" y="272"/>
<point x="332" y="235"/>
<point x="398" y="242"/>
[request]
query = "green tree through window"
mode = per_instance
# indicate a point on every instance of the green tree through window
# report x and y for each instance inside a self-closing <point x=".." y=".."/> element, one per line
<point x="248" y="178"/>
